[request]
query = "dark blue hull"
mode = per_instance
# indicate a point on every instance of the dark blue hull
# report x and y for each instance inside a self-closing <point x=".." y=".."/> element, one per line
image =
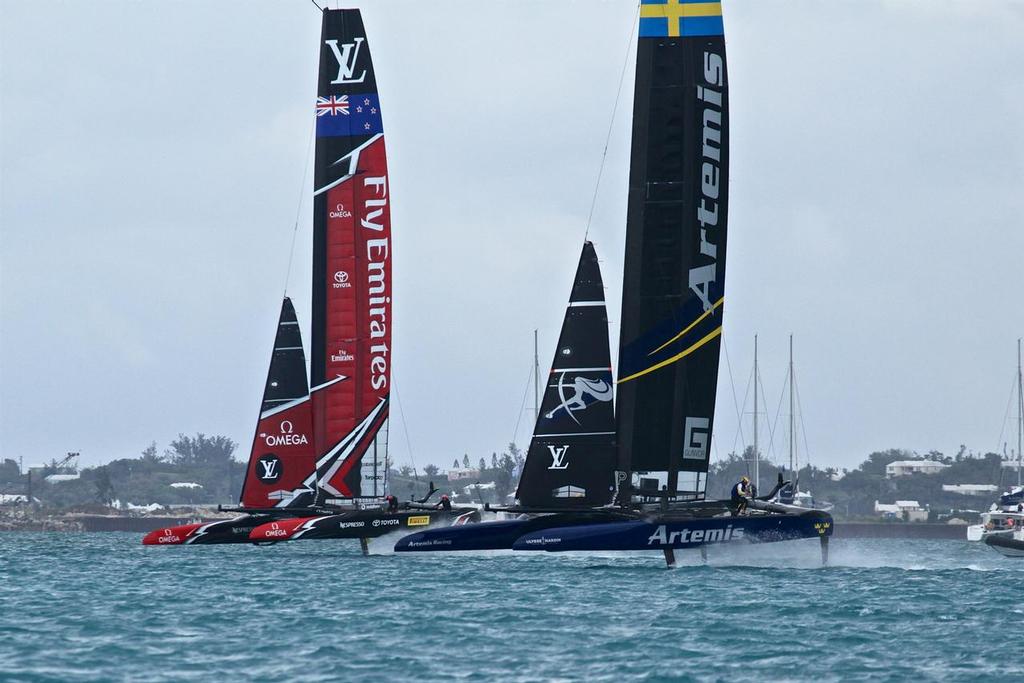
<point x="495" y="535"/>
<point x="660" y="533"/>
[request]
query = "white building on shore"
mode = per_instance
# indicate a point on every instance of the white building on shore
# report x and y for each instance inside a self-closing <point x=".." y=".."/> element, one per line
<point x="908" y="510"/>
<point x="971" y="489"/>
<point x="900" y="468"/>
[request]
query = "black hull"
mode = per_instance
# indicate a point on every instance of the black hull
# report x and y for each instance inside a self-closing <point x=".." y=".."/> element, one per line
<point x="606" y="530"/>
<point x="1005" y="544"/>
<point x="499" y="535"/>
<point x="374" y="523"/>
<point x="671" y="531"/>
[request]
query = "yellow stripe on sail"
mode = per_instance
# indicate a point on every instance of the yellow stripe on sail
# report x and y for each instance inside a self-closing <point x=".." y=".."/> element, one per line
<point x="674" y="11"/>
<point x="690" y="326"/>
<point x="711" y="335"/>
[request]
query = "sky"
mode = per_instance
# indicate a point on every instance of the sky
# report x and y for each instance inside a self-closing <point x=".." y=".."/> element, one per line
<point x="153" y="174"/>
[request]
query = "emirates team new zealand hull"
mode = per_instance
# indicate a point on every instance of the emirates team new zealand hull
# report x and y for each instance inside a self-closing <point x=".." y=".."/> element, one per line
<point x="235" y="530"/>
<point x="358" y="524"/>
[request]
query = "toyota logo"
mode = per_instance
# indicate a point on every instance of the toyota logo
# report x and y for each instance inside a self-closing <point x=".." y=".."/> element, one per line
<point x="341" y="277"/>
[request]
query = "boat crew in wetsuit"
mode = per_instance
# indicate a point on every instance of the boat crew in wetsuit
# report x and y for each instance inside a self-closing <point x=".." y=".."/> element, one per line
<point x="392" y="503"/>
<point x="740" y="493"/>
<point x="445" y="504"/>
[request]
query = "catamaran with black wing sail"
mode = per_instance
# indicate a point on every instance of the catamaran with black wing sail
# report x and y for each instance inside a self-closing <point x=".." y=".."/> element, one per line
<point x="673" y="301"/>
<point x="672" y="306"/>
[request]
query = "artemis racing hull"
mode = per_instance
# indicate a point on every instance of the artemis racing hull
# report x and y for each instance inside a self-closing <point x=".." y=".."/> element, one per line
<point x="661" y="533"/>
<point x="495" y="535"/>
<point x="235" y="530"/>
<point x="356" y="524"/>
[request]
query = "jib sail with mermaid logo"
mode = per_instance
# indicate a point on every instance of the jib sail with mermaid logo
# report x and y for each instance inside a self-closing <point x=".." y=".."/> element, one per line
<point x="571" y="457"/>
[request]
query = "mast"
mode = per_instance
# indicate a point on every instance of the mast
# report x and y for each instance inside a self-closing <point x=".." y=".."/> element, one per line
<point x="536" y="378"/>
<point x="1020" y="413"/>
<point x="757" y="461"/>
<point x="792" y="419"/>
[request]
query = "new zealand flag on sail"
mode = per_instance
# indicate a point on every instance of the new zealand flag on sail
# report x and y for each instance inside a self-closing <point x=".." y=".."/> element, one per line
<point x="345" y="115"/>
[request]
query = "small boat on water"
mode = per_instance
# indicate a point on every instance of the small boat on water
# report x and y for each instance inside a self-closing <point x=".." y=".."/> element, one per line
<point x="653" y="496"/>
<point x="318" y="465"/>
<point x="1003" y="523"/>
<point x="1008" y="543"/>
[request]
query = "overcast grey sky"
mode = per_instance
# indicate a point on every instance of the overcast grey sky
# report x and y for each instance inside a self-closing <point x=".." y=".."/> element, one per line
<point x="152" y="166"/>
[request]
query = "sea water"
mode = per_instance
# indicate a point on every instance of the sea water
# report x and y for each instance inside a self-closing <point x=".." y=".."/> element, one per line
<point x="101" y="607"/>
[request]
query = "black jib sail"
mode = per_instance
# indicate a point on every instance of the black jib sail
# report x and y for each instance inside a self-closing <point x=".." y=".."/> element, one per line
<point x="282" y="463"/>
<point x="674" y="280"/>
<point x="571" y="459"/>
<point x="286" y="379"/>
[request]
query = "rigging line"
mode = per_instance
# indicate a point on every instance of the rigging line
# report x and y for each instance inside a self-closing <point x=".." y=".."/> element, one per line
<point x="778" y="410"/>
<point x="746" y="392"/>
<point x="298" y="209"/>
<point x="611" y="123"/>
<point x="522" y="406"/>
<point x="405" y="426"/>
<point x="1006" y="415"/>
<point x="803" y="426"/>
<point x="732" y="385"/>
<point x="771" y="430"/>
<point x="316" y="5"/>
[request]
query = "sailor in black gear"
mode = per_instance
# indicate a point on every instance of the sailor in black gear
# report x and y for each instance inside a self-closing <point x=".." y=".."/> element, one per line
<point x="445" y="504"/>
<point x="392" y="503"/>
<point x="740" y="493"/>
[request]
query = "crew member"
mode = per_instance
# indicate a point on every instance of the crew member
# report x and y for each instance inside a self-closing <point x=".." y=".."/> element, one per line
<point x="740" y="493"/>
<point x="445" y="504"/>
<point x="392" y="503"/>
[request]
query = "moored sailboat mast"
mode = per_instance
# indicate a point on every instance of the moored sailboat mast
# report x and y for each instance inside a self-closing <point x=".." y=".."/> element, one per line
<point x="792" y="420"/>
<point x="757" y="459"/>
<point x="1020" y="414"/>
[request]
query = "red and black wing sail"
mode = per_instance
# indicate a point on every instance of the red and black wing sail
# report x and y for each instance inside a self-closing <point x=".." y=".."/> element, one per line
<point x="282" y="462"/>
<point x="674" y="280"/>
<point x="352" y="254"/>
<point x="571" y="459"/>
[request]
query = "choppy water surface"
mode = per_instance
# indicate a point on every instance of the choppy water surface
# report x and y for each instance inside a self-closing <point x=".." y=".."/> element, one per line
<point x="78" y="607"/>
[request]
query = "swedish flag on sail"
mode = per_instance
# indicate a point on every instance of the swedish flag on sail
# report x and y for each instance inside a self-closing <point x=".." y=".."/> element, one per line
<point x="669" y="18"/>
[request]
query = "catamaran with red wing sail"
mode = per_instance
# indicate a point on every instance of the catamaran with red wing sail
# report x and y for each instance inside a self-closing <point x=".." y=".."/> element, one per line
<point x="672" y="305"/>
<point x="352" y="321"/>
<point x="318" y="467"/>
